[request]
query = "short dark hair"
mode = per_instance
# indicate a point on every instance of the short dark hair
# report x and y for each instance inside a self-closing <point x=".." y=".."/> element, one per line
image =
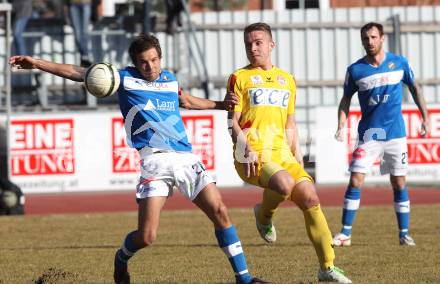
<point x="258" y="27"/>
<point x="371" y="25"/>
<point x="142" y="43"/>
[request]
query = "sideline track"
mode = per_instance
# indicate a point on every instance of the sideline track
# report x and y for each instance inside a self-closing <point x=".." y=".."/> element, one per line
<point x="244" y="197"/>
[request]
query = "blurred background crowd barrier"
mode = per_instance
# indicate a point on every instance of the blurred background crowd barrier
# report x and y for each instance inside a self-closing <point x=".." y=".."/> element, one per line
<point x="316" y="45"/>
<point x="203" y="48"/>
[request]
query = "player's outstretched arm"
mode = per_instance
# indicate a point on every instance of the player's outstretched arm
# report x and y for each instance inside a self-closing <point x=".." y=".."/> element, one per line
<point x="190" y="102"/>
<point x="68" y="71"/>
<point x="343" y="109"/>
<point x="419" y="99"/>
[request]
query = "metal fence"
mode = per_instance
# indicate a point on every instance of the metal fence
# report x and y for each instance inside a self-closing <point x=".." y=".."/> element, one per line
<point x="314" y="45"/>
<point x="317" y="46"/>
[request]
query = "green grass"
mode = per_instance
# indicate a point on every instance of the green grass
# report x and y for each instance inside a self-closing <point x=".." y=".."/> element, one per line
<point x="80" y="248"/>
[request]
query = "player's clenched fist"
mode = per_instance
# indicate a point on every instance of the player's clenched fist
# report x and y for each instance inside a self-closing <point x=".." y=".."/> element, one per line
<point x="22" y="62"/>
<point x="230" y="101"/>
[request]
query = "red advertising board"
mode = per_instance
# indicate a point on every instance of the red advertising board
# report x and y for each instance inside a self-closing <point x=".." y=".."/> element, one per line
<point x="200" y="132"/>
<point x="124" y="158"/>
<point x="42" y="147"/>
<point x="421" y="150"/>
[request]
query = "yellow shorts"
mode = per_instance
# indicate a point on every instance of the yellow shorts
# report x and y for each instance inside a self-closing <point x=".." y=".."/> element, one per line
<point x="266" y="170"/>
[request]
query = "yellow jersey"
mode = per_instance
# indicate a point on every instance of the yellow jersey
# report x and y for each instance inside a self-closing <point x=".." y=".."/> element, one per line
<point x="266" y="97"/>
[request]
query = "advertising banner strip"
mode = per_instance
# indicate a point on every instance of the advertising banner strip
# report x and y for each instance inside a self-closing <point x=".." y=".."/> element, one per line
<point x="423" y="152"/>
<point x="89" y="152"/>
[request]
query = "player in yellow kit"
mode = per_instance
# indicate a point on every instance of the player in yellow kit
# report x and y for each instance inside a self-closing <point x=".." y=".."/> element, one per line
<point x="266" y="146"/>
<point x="266" y="100"/>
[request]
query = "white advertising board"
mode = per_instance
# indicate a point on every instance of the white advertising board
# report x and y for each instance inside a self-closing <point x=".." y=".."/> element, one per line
<point x="87" y="151"/>
<point x="332" y="157"/>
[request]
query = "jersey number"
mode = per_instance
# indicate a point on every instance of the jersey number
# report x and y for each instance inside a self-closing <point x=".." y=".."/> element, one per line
<point x="404" y="158"/>
<point x="198" y="168"/>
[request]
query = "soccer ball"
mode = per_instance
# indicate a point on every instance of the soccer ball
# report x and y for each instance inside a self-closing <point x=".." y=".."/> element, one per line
<point x="9" y="199"/>
<point x="102" y="80"/>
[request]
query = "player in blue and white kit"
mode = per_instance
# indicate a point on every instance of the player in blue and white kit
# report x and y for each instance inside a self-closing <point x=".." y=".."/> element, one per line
<point x="378" y="79"/>
<point x="149" y="100"/>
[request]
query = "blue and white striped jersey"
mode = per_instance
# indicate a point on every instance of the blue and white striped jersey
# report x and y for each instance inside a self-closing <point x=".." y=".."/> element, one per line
<point x="380" y="96"/>
<point x="151" y="111"/>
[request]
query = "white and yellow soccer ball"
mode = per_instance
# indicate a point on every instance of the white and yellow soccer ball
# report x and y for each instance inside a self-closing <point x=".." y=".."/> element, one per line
<point x="102" y="80"/>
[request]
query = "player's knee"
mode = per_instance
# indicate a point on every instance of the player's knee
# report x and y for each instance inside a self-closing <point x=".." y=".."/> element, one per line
<point x="282" y="183"/>
<point x="147" y="238"/>
<point x="285" y="187"/>
<point x="221" y="211"/>
<point x="306" y="197"/>
<point x="310" y="201"/>
<point x="398" y="183"/>
<point x="221" y="215"/>
<point x="356" y="182"/>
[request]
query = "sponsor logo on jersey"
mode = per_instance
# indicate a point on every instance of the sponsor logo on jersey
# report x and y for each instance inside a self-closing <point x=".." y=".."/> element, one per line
<point x="377" y="99"/>
<point x="372" y="102"/>
<point x="269" y="97"/>
<point x="269" y="80"/>
<point x="131" y="83"/>
<point x="149" y="105"/>
<point x="257" y="80"/>
<point x="379" y="80"/>
<point x="157" y="104"/>
<point x="281" y="80"/>
<point x="391" y="65"/>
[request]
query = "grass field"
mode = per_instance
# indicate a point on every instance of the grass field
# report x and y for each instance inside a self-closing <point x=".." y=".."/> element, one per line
<point x="80" y="248"/>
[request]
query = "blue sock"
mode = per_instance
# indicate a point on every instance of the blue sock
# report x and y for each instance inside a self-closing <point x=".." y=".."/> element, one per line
<point x="230" y="244"/>
<point x="127" y="250"/>
<point x="402" y="208"/>
<point x="351" y="205"/>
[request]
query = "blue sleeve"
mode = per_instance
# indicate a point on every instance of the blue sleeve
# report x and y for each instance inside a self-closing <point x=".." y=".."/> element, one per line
<point x="408" y="74"/>
<point x="121" y="78"/>
<point x="350" y="86"/>
<point x="168" y="75"/>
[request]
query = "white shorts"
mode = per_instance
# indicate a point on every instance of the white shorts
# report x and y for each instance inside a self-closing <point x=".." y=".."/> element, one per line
<point x="393" y="155"/>
<point x="161" y="172"/>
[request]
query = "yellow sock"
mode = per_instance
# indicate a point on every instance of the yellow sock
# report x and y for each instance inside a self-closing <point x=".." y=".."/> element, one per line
<point x="320" y="235"/>
<point x="271" y="201"/>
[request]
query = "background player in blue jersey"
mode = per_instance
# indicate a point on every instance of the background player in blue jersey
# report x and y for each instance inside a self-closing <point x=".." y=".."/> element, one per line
<point x="378" y="79"/>
<point x="149" y="100"/>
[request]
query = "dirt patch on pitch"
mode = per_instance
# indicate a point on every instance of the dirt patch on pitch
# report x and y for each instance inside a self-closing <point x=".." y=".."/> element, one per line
<point x="56" y="275"/>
